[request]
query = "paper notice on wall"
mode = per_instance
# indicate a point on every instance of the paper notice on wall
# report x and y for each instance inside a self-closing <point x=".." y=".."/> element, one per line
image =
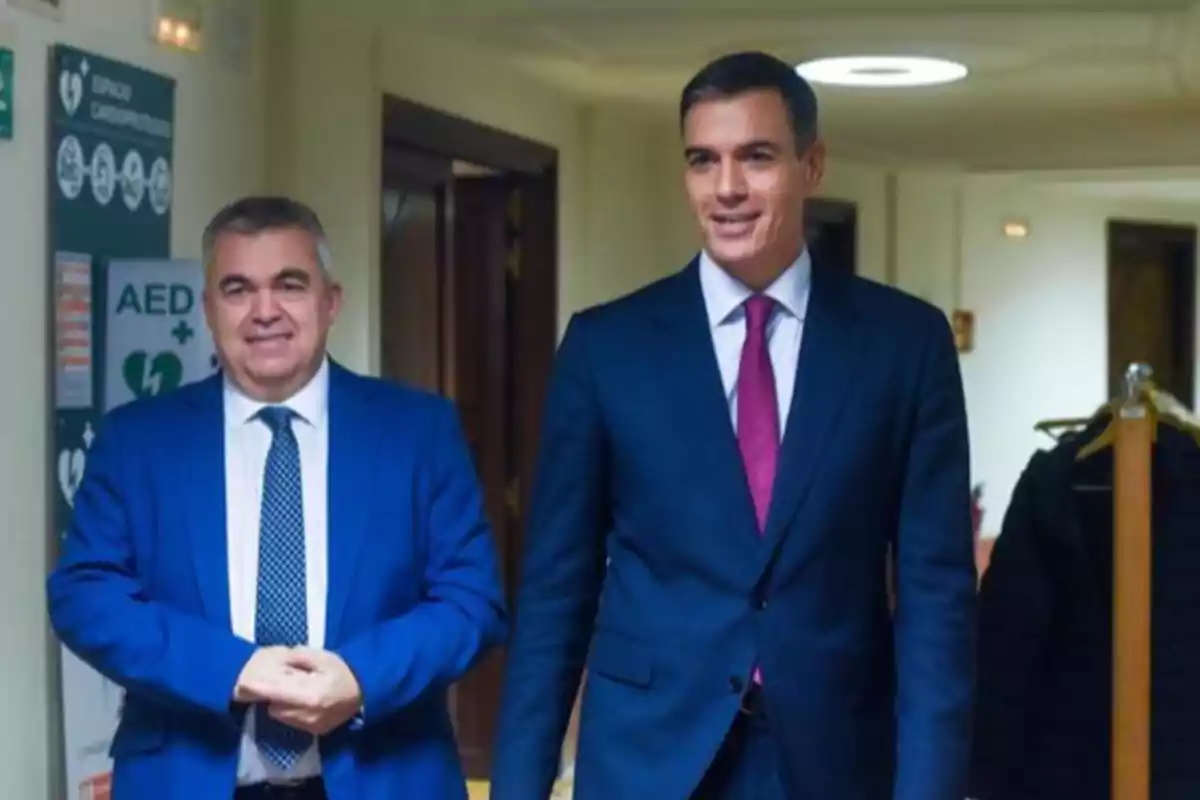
<point x="73" y="331"/>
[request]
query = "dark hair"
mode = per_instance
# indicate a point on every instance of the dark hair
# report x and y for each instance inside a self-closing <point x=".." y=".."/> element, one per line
<point x="738" y="73"/>
<point x="251" y="215"/>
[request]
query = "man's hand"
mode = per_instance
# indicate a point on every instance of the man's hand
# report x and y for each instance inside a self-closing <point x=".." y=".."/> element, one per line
<point x="321" y="695"/>
<point x="266" y="674"/>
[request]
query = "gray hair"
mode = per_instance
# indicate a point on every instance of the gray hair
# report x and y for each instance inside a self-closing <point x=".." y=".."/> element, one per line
<point x="253" y="215"/>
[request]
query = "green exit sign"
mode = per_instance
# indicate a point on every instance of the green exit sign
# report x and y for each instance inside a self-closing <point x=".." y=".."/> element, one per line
<point x="6" y="93"/>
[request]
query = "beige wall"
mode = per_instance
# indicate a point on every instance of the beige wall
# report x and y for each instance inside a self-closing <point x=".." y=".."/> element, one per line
<point x="1042" y="313"/>
<point x="302" y="116"/>
<point x="215" y="159"/>
<point x="333" y="144"/>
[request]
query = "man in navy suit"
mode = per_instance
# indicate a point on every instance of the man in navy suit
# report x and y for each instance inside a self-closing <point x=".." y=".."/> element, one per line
<point x="728" y="457"/>
<point x="285" y="565"/>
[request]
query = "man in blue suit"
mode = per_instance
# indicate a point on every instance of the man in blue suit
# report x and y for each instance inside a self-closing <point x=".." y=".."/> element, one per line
<point x="286" y="565"/>
<point x="729" y="456"/>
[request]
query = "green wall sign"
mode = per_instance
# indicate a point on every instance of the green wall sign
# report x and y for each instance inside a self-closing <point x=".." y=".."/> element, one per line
<point x="6" y="93"/>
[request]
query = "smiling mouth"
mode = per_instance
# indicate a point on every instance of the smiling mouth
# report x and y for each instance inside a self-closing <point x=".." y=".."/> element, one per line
<point x="269" y="338"/>
<point x="734" y="225"/>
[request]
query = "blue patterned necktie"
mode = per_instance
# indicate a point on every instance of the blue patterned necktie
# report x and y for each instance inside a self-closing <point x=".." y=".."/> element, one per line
<point x="281" y="617"/>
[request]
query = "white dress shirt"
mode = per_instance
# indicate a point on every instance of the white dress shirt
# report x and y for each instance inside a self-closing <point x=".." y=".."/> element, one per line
<point x="724" y="296"/>
<point x="247" y="441"/>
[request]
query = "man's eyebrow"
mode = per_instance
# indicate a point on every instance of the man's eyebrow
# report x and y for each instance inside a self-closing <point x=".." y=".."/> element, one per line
<point x="754" y="144"/>
<point x="292" y="273"/>
<point x="759" y="144"/>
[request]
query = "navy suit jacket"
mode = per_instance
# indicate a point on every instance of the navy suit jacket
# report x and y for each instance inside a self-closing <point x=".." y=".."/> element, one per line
<point x="142" y="592"/>
<point x="643" y="561"/>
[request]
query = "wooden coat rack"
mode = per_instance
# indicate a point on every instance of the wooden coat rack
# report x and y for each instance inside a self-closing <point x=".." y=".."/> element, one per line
<point x="1131" y="434"/>
<point x="1134" y="423"/>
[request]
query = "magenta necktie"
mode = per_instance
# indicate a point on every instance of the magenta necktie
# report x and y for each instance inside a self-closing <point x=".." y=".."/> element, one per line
<point x="758" y="413"/>
<point x="758" y="409"/>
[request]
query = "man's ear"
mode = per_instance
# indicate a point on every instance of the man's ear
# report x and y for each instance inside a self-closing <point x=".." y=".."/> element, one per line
<point x="814" y="165"/>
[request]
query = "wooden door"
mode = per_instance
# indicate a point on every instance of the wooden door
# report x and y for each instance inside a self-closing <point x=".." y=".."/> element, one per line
<point x="1151" y="304"/>
<point x="503" y="299"/>
<point x="469" y="295"/>
<point x="482" y="351"/>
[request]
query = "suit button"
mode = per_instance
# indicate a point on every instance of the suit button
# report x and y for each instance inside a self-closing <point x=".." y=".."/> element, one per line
<point x="735" y="684"/>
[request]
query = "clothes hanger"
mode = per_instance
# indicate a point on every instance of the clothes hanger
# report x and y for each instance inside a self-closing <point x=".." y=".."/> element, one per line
<point x="1161" y="406"/>
<point x="1067" y="425"/>
<point x="1063" y="428"/>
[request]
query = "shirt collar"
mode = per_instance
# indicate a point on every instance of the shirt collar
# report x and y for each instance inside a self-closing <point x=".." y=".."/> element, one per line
<point x="309" y="403"/>
<point x="725" y="294"/>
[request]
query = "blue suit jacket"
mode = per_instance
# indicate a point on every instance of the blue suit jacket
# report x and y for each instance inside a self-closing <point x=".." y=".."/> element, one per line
<point x="142" y="593"/>
<point x="640" y="468"/>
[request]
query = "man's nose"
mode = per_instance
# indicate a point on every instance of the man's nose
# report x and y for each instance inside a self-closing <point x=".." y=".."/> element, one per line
<point x="266" y="307"/>
<point x="731" y="183"/>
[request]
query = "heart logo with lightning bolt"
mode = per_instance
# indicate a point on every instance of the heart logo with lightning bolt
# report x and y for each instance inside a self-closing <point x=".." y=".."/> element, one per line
<point x="70" y="472"/>
<point x="146" y="376"/>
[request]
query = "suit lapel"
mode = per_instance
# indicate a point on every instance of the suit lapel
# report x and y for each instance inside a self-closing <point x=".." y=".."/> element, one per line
<point x="696" y="401"/>
<point x="830" y="351"/>
<point x="350" y="467"/>
<point x="202" y="450"/>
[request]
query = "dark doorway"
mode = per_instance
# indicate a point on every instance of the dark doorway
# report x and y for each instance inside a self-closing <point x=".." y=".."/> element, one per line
<point x="468" y="293"/>
<point x="1152" y="304"/>
<point x="831" y="230"/>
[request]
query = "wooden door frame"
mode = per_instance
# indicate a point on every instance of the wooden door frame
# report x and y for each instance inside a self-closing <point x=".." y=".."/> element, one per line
<point x="1175" y="234"/>
<point x="410" y="126"/>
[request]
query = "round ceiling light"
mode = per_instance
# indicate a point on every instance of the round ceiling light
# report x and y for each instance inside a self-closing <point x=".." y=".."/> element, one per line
<point x="882" y="71"/>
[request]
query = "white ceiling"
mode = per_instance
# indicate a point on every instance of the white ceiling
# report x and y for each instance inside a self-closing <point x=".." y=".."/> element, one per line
<point x="1054" y="84"/>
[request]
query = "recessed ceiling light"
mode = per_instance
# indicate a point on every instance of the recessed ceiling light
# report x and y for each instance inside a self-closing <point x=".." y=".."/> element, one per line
<point x="882" y="71"/>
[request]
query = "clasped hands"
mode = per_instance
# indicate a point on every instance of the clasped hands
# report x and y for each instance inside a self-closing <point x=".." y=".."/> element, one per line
<point x="312" y="690"/>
